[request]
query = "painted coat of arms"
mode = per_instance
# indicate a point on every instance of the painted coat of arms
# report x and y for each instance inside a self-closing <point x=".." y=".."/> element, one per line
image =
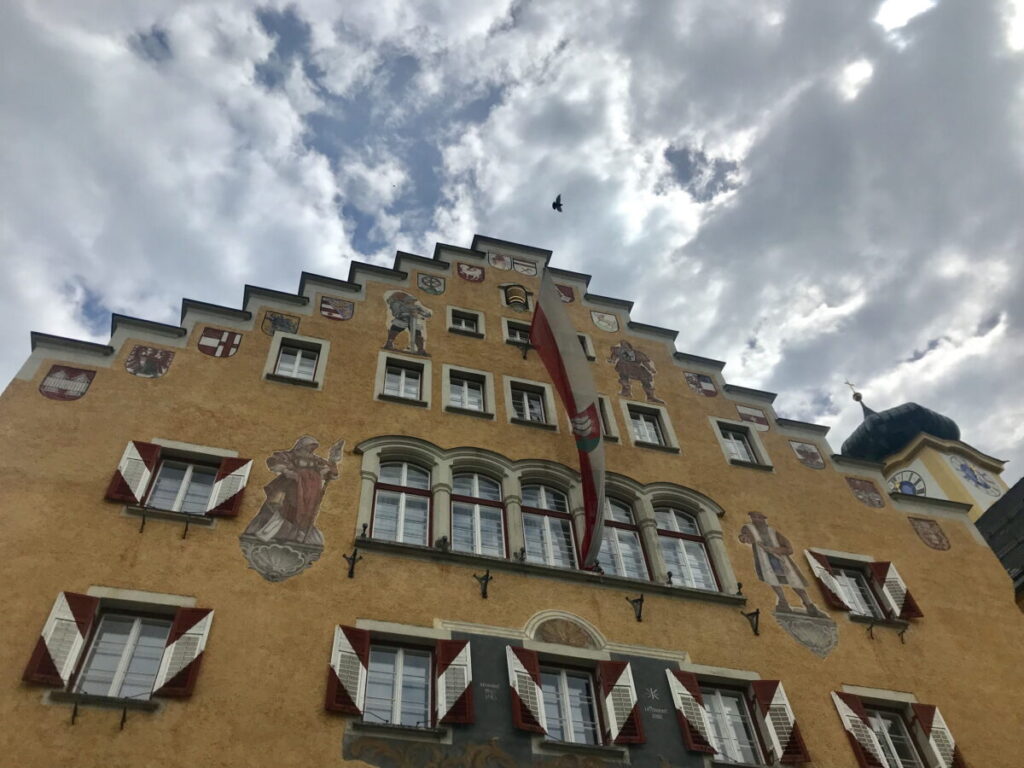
<point x="930" y="532"/>
<point x="337" y="309"/>
<point x="866" y="492"/>
<point x="702" y="384"/>
<point x="605" y="321"/>
<point x="566" y="293"/>
<point x="431" y="284"/>
<point x="470" y="272"/>
<point x="499" y="261"/>
<point x="808" y="454"/>
<point x="148" y="362"/>
<point x="218" y="343"/>
<point x="66" y="383"/>
<point x="278" y="321"/>
<point x="753" y="415"/>
<point x="524" y="267"/>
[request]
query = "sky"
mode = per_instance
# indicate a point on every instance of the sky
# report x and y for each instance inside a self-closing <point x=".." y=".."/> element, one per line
<point x="813" y="191"/>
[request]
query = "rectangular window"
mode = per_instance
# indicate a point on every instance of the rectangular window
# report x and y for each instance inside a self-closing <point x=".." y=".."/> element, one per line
<point x="570" y="707"/>
<point x="732" y="728"/>
<point x="856" y="592"/>
<point x="684" y="548"/>
<point x="647" y="426"/>
<point x="478" y="523"/>
<point x="518" y="333"/>
<point x="398" y="687"/>
<point x="737" y="444"/>
<point x="466" y="391"/>
<point x="606" y="428"/>
<point x="401" y="507"/>
<point x="468" y="322"/>
<point x="296" y="362"/>
<point x="182" y="486"/>
<point x="528" y="404"/>
<point x="124" y="657"/>
<point x="402" y="381"/>
<point x="621" y="553"/>
<point x="894" y="738"/>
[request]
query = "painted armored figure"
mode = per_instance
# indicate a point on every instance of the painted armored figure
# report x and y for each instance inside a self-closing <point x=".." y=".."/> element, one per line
<point x="294" y="496"/>
<point x="407" y="314"/>
<point x="774" y="565"/>
<point x="631" y="363"/>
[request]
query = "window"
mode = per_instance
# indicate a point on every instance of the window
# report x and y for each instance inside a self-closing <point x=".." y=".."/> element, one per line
<point x="894" y="738"/>
<point x="547" y="526"/>
<point x="517" y="333"/>
<point x="398" y="687"/>
<point x="737" y="444"/>
<point x="401" y="503"/>
<point x="570" y="707"/>
<point x="125" y="656"/>
<point x="182" y="486"/>
<point x="296" y="362"/>
<point x="466" y="391"/>
<point x="646" y="426"/>
<point x="588" y="348"/>
<point x="684" y="549"/>
<point x="402" y="381"/>
<point x="528" y="404"/>
<point x="478" y="523"/>
<point x="465" y="322"/>
<point x="621" y="553"/>
<point x="608" y="429"/>
<point x="853" y="583"/>
<point x="856" y="592"/>
<point x="731" y="726"/>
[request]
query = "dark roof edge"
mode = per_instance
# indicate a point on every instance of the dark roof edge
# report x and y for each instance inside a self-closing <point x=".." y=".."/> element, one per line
<point x="570" y="275"/>
<point x="757" y="394"/>
<point x="334" y="282"/>
<point x="217" y="309"/>
<point x="509" y="244"/>
<point x="438" y="247"/>
<point x="930" y="501"/>
<point x="288" y="298"/>
<point x="416" y="258"/>
<point x="838" y="458"/>
<point x="38" y="339"/>
<point x="654" y="329"/>
<point x="627" y="305"/>
<point x="686" y="357"/>
<point x="806" y="425"/>
<point x="166" y="329"/>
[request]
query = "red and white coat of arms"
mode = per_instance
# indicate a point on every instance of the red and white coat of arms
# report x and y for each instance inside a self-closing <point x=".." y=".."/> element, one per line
<point x="66" y="383"/>
<point x="218" y="343"/>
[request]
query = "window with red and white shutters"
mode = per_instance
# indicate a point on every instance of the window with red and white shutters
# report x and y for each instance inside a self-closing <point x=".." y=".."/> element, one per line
<point x="226" y="497"/>
<point x="689" y="704"/>
<point x="823" y="573"/>
<point x="862" y="738"/>
<point x="778" y="723"/>
<point x="524" y="685"/>
<point x="135" y="473"/>
<point x="346" y="673"/>
<point x="621" y="708"/>
<point x="931" y="729"/>
<point x="62" y="641"/>
<point x="898" y="601"/>
<point x="454" y="682"/>
<point x="183" y="653"/>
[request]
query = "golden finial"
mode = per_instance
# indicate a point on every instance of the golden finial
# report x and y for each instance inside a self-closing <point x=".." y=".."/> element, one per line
<point x="856" y="395"/>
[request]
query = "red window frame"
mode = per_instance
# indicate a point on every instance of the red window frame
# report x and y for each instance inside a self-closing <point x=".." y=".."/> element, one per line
<point x="482" y="502"/>
<point x="554" y="513"/>
<point x="379" y="486"/>
<point x="701" y="539"/>
<point x="635" y="527"/>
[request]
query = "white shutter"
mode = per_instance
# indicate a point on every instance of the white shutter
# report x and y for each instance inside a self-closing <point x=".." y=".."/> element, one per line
<point x="934" y="731"/>
<point x="134" y="471"/>
<point x="63" y="640"/>
<point x="894" y="590"/>
<point x="827" y="578"/>
<point x="527" y="689"/>
<point x="454" y="680"/>
<point x="619" y="697"/>
<point x="229" y="486"/>
<point x="185" y="648"/>
<point x="689" y="708"/>
<point x="861" y="731"/>
<point x="349" y="668"/>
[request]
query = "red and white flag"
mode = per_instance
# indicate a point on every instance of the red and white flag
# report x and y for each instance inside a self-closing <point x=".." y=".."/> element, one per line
<point x="558" y="345"/>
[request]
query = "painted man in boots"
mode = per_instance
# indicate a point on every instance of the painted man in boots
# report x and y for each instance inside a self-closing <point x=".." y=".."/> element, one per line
<point x="774" y="564"/>
<point x="407" y="314"/>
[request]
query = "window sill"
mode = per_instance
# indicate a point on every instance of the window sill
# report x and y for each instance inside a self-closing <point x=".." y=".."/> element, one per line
<point x="720" y="764"/>
<point x="406" y="731"/>
<point x="599" y="751"/>
<point x="534" y="424"/>
<point x="656" y="446"/>
<point x="751" y="465"/>
<point x="106" y="702"/>
<point x="292" y="380"/>
<point x="546" y="571"/>
<point x="897" y="624"/>
<point x="166" y="514"/>
<point x="463" y="332"/>
<point x="610" y="438"/>
<point x="520" y="344"/>
<point x="469" y="412"/>
<point x="403" y="400"/>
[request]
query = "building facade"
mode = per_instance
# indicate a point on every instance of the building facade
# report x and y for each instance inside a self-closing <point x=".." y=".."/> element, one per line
<point x="337" y="527"/>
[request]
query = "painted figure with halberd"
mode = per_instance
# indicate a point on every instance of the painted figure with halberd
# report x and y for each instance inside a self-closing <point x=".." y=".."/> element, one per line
<point x="407" y="314"/>
<point x="774" y="564"/>
<point x="632" y="363"/>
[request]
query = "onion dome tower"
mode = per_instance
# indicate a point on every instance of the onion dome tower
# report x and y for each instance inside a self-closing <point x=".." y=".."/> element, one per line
<point x="883" y="434"/>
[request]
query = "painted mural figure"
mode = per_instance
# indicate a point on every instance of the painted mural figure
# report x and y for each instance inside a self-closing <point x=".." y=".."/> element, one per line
<point x="774" y="564"/>
<point x="407" y="314"/>
<point x="294" y="496"/>
<point x="631" y="363"/>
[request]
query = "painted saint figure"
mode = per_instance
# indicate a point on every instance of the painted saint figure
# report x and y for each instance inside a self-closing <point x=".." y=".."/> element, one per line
<point x="774" y="565"/>
<point x="631" y="363"/>
<point x="407" y="314"/>
<point x="293" y="497"/>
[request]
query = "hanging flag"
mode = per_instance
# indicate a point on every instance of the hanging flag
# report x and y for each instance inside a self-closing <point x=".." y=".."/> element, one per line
<point x="558" y="345"/>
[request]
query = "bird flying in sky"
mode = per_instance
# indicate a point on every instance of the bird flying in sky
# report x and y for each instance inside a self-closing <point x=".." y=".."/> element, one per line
<point x="557" y="205"/>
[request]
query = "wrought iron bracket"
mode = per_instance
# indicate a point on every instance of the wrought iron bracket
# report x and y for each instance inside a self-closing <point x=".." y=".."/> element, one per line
<point x="871" y="630"/>
<point x="352" y="559"/>
<point x="901" y="633"/>
<point x="184" y="533"/>
<point x="754" y="617"/>
<point x="638" y="606"/>
<point x="484" y="581"/>
<point x="74" y="713"/>
<point x="124" y="716"/>
<point x="142" y="525"/>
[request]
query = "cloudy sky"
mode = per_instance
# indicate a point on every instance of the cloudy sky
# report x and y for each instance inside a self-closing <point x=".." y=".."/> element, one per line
<point x="811" y="190"/>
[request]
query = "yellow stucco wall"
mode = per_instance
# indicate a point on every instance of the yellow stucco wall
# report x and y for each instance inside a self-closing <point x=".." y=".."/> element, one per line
<point x="261" y="689"/>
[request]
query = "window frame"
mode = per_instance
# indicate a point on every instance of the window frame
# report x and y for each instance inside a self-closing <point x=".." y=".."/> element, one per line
<point x="119" y="675"/>
<point x="669" y="444"/>
<point x="402" y="490"/>
<point x="588" y="346"/>
<point x="301" y="353"/>
<point x="508" y="324"/>
<point x="398" y="683"/>
<point x="633" y="527"/>
<point x="709" y="690"/>
<point x="483" y="378"/>
<point x="865" y="585"/>
<point x="750" y="438"/>
<point x="514" y="386"/>
<point x="389" y="359"/>
<point x="564" y="671"/>
<point x="476" y="503"/>
<point x="461" y="313"/>
<point x="699" y="538"/>
<point x="609" y="427"/>
<point x="182" y="492"/>
<point x="320" y="347"/>
<point x="884" y="739"/>
<point x="546" y="515"/>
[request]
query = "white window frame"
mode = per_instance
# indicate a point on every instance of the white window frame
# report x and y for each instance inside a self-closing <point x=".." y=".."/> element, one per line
<point x="476" y="504"/>
<point x="726" y="754"/>
<point x="186" y="481"/>
<point x="667" y="431"/>
<point x="854" y="596"/>
<point x="426" y="493"/>
<point x="399" y="683"/>
<point x="548" y="536"/>
<point x="754" y="442"/>
<point x="388" y="358"/>
<point x="885" y="739"/>
<point x="562" y="702"/>
<point x="542" y="389"/>
<point x="320" y="347"/>
<point x="301" y="354"/>
<point x="478" y="316"/>
<point x="611" y="538"/>
<point x="609" y="425"/>
<point x="678" y="578"/>
<point x="116" y="683"/>
<point x="587" y="345"/>
<point x="506" y="322"/>
<point x="486" y="380"/>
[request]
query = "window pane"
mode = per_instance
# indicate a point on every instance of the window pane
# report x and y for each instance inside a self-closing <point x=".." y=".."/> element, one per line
<point x="551" y="685"/>
<point x="105" y="655"/>
<point x="618" y="511"/>
<point x="411" y="386"/>
<point x="380" y="685"/>
<point x="200" y="487"/>
<point x="414" y="529"/>
<point x="895" y="740"/>
<point x="544" y="497"/>
<point x="731" y="728"/>
<point x="393" y="382"/>
<point x="632" y="555"/>
<point x="167" y="485"/>
<point x="307" y="365"/>
<point x="462" y="527"/>
<point x="415" y="701"/>
<point x="385" y="515"/>
<point x="563" y="552"/>
<point x="145" y="659"/>
<point x="417" y="478"/>
<point x="535" y="404"/>
<point x="492" y="532"/>
<point x="581" y="709"/>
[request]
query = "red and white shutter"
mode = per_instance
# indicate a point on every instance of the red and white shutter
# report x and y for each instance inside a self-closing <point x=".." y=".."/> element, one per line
<point x="454" y="682"/>
<point x="621" y="710"/>
<point x="778" y="722"/>
<point x="135" y="472"/>
<point x="689" y="704"/>
<point x="346" y="674"/>
<point x="933" y="731"/>
<point x="898" y="600"/>
<point x="830" y="588"/>
<point x="226" y="496"/>
<point x="524" y="684"/>
<point x="862" y="739"/>
<point x="183" y="654"/>
<point x="62" y="640"/>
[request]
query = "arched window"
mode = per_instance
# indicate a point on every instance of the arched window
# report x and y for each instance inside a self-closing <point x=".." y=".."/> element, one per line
<point x="547" y="526"/>
<point x="401" y="504"/>
<point x="478" y="515"/>
<point x="621" y="553"/>
<point x="684" y="549"/>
